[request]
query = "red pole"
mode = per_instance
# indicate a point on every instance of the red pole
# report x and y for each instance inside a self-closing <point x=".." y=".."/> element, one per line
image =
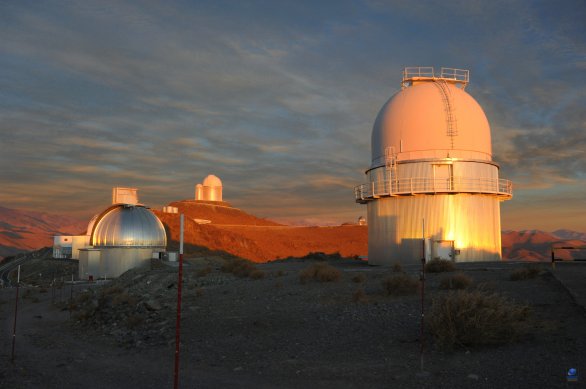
<point x="178" y="323"/>
<point x="15" y="313"/>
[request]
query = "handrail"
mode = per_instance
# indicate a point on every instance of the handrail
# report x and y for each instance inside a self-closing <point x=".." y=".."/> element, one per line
<point x="422" y="185"/>
<point x="459" y="76"/>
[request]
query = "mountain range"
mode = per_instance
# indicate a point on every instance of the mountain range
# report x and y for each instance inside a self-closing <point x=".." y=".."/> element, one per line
<point x="22" y="230"/>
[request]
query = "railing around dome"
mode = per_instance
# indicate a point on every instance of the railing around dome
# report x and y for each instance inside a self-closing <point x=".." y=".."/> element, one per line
<point x="412" y="186"/>
<point x="459" y="76"/>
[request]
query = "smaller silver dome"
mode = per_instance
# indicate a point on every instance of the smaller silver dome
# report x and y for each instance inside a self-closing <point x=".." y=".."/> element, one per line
<point x="128" y="226"/>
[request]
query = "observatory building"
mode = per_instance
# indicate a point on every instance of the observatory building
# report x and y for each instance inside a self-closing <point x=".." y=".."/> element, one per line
<point x="123" y="236"/>
<point x="209" y="190"/>
<point x="432" y="178"/>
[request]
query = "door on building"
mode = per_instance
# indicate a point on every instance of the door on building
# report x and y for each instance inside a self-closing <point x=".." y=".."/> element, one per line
<point x="443" y="249"/>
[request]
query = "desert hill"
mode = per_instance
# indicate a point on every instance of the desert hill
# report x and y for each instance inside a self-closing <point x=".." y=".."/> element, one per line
<point x="22" y="230"/>
<point x="234" y="231"/>
<point x="219" y="213"/>
<point x="238" y="233"/>
<point x="535" y="245"/>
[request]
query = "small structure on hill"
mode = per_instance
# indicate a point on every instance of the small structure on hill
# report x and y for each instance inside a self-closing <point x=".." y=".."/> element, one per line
<point x="209" y="190"/>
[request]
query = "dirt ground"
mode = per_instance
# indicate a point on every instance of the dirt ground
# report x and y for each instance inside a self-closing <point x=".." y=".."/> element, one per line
<point x="278" y="332"/>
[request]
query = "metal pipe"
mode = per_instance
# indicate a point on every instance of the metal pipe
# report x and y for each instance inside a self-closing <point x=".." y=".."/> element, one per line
<point x="421" y="334"/>
<point x="15" y="314"/>
<point x="178" y="323"/>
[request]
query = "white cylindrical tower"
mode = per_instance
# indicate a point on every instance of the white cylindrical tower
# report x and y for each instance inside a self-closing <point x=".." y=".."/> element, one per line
<point x="199" y="192"/>
<point x="432" y="176"/>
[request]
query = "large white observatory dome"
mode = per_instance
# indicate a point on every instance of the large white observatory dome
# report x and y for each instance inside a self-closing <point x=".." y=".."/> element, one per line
<point x="432" y="189"/>
<point x="128" y="226"/>
<point x="431" y="119"/>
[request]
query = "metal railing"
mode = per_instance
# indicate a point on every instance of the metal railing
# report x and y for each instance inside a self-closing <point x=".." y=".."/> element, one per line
<point x="412" y="186"/>
<point x="459" y="75"/>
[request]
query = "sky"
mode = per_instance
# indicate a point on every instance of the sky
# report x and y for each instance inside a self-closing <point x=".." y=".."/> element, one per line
<point x="278" y="99"/>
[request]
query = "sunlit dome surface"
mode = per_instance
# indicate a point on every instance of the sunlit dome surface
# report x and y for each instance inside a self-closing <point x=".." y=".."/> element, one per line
<point x="128" y="226"/>
<point x="212" y="180"/>
<point x="415" y="123"/>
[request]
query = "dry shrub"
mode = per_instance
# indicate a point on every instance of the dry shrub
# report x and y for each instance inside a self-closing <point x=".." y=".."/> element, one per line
<point x="360" y="296"/>
<point x="238" y="267"/>
<point x="113" y="289"/>
<point x="525" y="273"/>
<point x="456" y="281"/>
<point x="280" y="273"/>
<point x="397" y="268"/>
<point x="359" y="278"/>
<point x="84" y="296"/>
<point x="466" y="319"/>
<point x="400" y="285"/>
<point x="134" y="320"/>
<point x="199" y="292"/>
<point x="257" y="274"/>
<point x="439" y="266"/>
<point x="321" y="272"/>
<point x="204" y="272"/>
<point x="124" y="298"/>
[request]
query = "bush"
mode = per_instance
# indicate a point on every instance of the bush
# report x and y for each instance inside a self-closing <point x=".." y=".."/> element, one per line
<point x="321" y="272"/>
<point x="204" y="272"/>
<point x="456" y="281"/>
<point x="400" y="285"/>
<point x="110" y="290"/>
<point x="238" y="267"/>
<point x="124" y="298"/>
<point x="359" y="296"/>
<point x="463" y="318"/>
<point x="525" y="273"/>
<point x="257" y="274"/>
<point x="359" y="278"/>
<point x="134" y="320"/>
<point x="439" y="266"/>
<point x="397" y="268"/>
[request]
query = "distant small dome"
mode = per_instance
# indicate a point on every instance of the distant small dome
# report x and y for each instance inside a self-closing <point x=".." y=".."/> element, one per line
<point x="128" y="226"/>
<point x="212" y="180"/>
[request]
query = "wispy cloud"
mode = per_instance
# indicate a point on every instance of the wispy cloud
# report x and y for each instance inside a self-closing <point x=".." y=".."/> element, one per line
<point x="276" y="99"/>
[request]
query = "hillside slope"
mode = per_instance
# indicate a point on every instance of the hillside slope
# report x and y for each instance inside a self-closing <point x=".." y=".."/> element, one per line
<point x="28" y="230"/>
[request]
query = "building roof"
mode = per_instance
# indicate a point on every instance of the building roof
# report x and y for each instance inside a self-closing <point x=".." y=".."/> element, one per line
<point x="431" y="118"/>
<point x="128" y="226"/>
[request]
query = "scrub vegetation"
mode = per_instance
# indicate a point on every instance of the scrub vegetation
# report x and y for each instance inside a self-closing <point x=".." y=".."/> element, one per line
<point x="439" y="266"/>
<point x="400" y="285"/>
<point x="525" y="273"/>
<point x="242" y="268"/>
<point x="456" y="281"/>
<point x="469" y="319"/>
<point x="321" y="272"/>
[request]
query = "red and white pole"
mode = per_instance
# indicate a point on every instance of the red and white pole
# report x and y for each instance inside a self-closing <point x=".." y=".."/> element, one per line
<point x="15" y="313"/>
<point x="178" y="324"/>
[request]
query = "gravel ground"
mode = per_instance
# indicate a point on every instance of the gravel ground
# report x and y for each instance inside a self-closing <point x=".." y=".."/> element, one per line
<point x="278" y="332"/>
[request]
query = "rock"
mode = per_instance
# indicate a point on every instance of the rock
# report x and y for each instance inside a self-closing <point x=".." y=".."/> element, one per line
<point x="473" y="377"/>
<point x="153" y="305"/>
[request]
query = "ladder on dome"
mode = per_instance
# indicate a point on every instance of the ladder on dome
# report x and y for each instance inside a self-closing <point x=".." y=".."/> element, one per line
<point x="391" y="168"/>
<point x="449" y="108"/>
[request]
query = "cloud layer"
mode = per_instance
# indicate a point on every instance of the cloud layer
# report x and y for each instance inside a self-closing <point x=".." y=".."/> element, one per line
<point x="276" y="100"/>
